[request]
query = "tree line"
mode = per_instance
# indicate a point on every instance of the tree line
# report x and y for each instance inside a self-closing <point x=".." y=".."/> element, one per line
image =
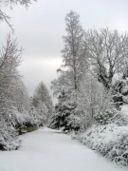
<point x="93" y="75"/>
<point x="19" y="113"/>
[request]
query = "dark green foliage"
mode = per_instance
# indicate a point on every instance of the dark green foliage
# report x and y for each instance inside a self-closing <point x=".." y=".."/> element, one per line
<point x="120" y="91"/>
<point x="106" y="117"/>
<point x="64" y="113"/>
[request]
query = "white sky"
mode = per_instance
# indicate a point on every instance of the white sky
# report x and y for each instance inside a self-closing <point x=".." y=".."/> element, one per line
<point x="39" y="31"/>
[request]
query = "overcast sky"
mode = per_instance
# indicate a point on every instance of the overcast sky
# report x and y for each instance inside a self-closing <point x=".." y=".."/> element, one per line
<point x="39" y="31"/>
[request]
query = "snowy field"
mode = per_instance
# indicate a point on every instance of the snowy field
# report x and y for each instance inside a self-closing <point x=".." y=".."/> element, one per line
<point x="50" y="150"/>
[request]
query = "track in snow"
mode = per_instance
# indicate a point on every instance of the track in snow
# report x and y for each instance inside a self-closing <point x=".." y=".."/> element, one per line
<point x="50" y="150"/>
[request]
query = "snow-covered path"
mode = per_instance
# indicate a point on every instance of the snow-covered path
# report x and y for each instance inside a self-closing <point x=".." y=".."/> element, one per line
<point x="50" y="150"/>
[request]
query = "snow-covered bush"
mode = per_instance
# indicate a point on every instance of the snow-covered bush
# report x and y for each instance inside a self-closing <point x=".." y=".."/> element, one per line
<point x="24" y="122"/>
<point x="74" y="122"/>
<point x="120" y="119"/>
<point x="107" y="116"/>
<point x="8" y="136"/>
<point x="120" y="91"/>
<point x="110" y="140"/>
<point x="64" y="116"/>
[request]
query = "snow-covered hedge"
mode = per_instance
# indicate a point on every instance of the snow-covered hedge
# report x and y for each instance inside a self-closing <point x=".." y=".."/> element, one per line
<point x="112" y="115"/>
<point x="7" y="142"/>
<point x="8" y="137"/>
<point x="110" y="140"/>
<point x="74" y="122"/>
<point x="107" y="116"/>
<point x="16" y="124"/>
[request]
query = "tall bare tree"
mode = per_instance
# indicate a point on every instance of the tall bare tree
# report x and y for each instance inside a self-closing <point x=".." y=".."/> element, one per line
<point x="73" y="46"/>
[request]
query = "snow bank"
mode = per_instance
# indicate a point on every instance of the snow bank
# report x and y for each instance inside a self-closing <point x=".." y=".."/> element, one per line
<point x="110" y="140"/>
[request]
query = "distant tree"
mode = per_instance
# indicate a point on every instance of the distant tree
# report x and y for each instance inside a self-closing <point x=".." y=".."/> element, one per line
<point x="19" y="95"/>
<point x="42" y="101"/>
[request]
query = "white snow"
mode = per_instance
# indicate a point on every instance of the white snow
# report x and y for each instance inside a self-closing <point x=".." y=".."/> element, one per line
<point x="124" y="109"/>
<point x="51" y="150"/>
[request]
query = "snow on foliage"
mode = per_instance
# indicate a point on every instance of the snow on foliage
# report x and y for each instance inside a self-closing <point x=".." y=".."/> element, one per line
<point x="42" y="101"/>
<point x="8" y="140"/>
<point x="110" y="140"/>
<point x="89" y="100"/>
<point x="120" y="91"/>
<point x="16" y="114"/>
<point x="64" y="116"/>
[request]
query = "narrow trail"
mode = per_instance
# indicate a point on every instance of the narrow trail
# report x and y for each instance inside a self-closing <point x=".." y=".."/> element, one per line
<point x="50" y="150"/>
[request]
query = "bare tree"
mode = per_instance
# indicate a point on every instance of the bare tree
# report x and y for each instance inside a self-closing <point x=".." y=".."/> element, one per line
<point x="108" y="52"/>
<point x="72" y="51"/>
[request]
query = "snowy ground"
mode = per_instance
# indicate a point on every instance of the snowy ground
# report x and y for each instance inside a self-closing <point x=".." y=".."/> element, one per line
<point x="50" y="150"/>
